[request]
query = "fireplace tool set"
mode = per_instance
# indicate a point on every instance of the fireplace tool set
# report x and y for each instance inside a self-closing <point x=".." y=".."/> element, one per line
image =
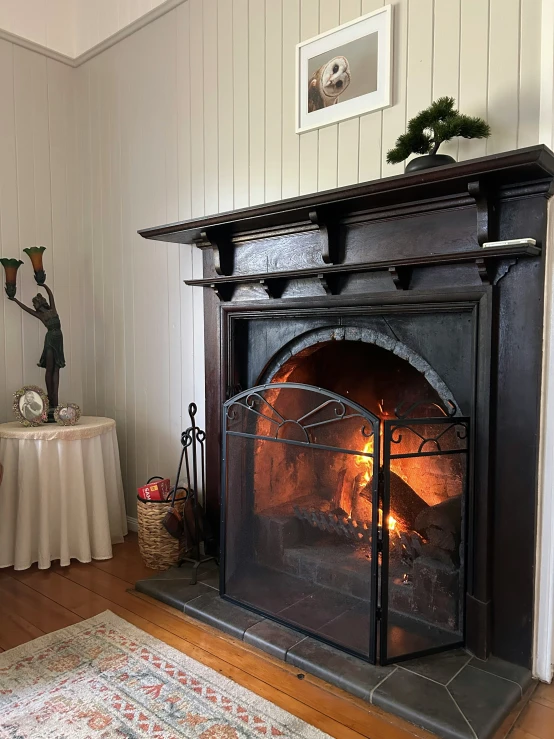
<point x="191" y="523"/>
<point x="177" y="512"/>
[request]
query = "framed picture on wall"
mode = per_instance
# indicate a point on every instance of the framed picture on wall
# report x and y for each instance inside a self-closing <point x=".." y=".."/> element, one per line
<point x="345" y="72"/>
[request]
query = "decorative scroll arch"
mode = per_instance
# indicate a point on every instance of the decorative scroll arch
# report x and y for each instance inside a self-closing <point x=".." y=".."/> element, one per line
<point x="310" y="341"/>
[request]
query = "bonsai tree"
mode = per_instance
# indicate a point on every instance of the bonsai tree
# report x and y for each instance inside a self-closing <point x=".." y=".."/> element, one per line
<point x="436" y="124"/>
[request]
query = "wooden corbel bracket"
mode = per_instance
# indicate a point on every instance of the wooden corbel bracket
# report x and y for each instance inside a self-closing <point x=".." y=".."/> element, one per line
<point x="486" y="212"/>
<point x="401" y="276"/>
<point x="224" y="290"/>
<point x="274" y="287"/>
<point x="329" y="235"/>
<point x="223" y="250"/>
<point x="331" y="283"/>
<point x="492" y="270"/>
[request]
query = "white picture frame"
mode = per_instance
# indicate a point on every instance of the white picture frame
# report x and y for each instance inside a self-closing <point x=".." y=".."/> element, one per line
<point x="369" y="41"/>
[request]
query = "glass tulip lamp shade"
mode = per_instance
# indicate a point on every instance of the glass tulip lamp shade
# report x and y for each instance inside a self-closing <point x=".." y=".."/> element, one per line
<point x="10" y="267"/>
<point x="35" y="255"/>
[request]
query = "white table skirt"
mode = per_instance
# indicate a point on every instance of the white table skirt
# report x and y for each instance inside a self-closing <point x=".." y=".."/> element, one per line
<point x="62" y="493"/>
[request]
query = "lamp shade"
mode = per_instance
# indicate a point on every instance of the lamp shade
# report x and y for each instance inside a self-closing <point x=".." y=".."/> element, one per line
<point x="35" y="255"/>
<point x="10" y="267"/>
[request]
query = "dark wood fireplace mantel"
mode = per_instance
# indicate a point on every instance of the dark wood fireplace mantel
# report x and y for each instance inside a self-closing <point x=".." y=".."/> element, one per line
<point x="495" y="172"/>
<point x="406" y="250"/>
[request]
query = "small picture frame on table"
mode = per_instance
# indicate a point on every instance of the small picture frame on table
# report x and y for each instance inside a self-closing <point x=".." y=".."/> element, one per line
<point x="67" y="414"/>
<point x="30" y="405"/>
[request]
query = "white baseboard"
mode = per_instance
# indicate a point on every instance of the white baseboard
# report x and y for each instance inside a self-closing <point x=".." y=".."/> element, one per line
<point x="132" y="524"/>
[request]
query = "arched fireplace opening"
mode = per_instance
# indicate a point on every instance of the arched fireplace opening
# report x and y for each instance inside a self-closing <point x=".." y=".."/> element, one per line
<point x="345" y="475"/>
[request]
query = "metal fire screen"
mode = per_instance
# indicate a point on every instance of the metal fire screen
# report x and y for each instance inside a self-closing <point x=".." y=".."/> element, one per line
<point x="344" y="526"/>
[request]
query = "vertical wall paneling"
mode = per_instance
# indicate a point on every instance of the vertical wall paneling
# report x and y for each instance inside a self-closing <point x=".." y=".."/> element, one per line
<point x="291" y="142"/>
<point x="369" y="157"/>
<point x="186" y="380"/>
<point x="195" y="44"/>
<point x="107" y="203"/>
<point x="474" y="69"/>
<point x="349" y="131"/>
<point x="85" y="231"/>
<point x="211" y="143"/>
<point x="446" y="58"/>
<point x="419" y="83"/>
<point x="11" y="347"/>
<point x="225" y="103"/>
<point x="529" y="74"/>
<point x="33" y="175"/>
<point x="503" y="92"/>
<point x="65" y="268"/>
<point x="273" y="97"/>
<point x="241" y="118"/>
<point x="172" y="393"/>
<point x="394" y="118"/>
<point x="309" y="141"/>
<point x="256" y="78"/>
<point x="329" y="17"/>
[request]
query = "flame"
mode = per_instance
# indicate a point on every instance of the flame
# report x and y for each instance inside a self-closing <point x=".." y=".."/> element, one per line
<point x="366" y="463"/>
<point x="392" y="523"/>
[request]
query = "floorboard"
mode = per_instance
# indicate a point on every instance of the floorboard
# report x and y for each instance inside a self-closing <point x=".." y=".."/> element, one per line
<point x="34" y="602"/>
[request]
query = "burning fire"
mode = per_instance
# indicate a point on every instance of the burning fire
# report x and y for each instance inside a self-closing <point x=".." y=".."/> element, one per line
<point x="355" y="483"/>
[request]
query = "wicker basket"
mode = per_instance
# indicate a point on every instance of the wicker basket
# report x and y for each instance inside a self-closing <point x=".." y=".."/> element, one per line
<point x="159" y="550"/>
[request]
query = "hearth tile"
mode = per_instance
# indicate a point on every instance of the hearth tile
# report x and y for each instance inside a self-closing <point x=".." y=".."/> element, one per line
<point x="340" y="669"/>
<point x="267" y="589"/>
<point x="422" y="702"/>
<point x="439" y="667"/>
<point x="484" y="699"/>
<point x="173" y="592"/>
<point x="351" y="630"/>
<point x="211" y="609"/>
<point x="273" y="638"/>
<point x="317" y="609"/>
<point x="508" y="671"/>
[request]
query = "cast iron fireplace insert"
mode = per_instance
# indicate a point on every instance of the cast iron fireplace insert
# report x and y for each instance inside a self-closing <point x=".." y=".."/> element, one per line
<point x="346" y="520"/>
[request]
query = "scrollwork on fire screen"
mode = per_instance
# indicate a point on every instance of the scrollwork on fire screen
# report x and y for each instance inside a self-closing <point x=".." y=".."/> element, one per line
<point x="427" y="434"/>
<point x="333" y="409"/>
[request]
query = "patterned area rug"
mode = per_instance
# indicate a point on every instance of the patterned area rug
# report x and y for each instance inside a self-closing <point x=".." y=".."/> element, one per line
<point x="104" y="678"/>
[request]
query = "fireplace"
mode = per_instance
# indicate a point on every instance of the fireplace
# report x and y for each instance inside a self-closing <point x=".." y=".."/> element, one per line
<point x="373" y="375"/>
<point x="345" y="488"/>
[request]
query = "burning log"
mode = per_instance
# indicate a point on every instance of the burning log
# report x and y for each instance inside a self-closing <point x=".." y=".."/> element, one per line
<point x="405" y="503"/>
<point x="441" y="525"/>
<point x="335" y="522"/>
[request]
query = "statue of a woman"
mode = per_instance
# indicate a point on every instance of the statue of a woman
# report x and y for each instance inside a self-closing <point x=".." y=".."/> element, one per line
<point x="52" y="358"/>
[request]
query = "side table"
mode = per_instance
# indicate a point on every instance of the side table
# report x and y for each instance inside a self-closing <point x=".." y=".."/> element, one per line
<point x="61" y="496"/>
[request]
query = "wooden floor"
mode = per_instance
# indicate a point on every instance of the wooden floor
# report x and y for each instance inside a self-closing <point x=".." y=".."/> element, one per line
<point x="35" y="602"/>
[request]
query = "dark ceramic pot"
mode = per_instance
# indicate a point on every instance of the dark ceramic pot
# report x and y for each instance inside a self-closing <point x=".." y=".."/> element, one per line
<point x="427" y="161"/>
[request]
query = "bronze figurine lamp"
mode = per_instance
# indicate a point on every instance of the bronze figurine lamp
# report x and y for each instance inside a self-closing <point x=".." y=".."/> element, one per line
<point x="52" y="358"/>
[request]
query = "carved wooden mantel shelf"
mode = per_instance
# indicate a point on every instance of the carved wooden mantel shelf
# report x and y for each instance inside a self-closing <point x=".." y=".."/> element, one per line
<point x="480" y="186"/>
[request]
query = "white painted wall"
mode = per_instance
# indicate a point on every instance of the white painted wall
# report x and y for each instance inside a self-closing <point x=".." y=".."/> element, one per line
<point x="37" y="207"/>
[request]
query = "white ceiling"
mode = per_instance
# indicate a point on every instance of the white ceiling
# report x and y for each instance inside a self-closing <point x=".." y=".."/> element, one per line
<point x="70" y="27"/>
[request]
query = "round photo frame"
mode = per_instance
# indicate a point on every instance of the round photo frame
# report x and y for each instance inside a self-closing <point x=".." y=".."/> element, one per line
<point x="67" y="414"/>
<point x="30" y="405"/>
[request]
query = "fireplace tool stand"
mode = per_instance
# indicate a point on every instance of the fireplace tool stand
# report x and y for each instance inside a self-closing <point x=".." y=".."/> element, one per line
<point x="193" y="442"/>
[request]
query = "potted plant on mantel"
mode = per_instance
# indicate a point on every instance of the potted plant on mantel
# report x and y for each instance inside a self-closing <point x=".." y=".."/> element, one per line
<point x="429" y="129"/>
